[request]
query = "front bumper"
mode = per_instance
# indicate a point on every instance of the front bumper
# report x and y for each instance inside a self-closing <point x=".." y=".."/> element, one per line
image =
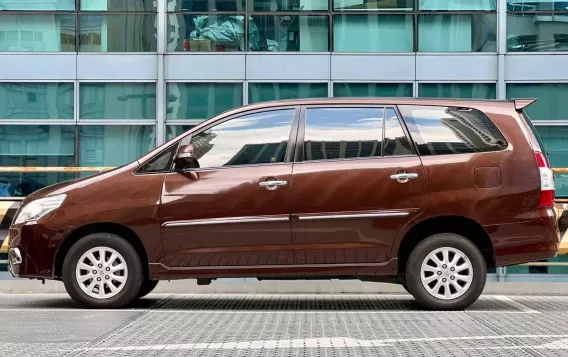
<point x="32" y="249"/>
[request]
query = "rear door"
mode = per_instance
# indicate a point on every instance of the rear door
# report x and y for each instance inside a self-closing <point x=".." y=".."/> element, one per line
<point x="356" y="183"/>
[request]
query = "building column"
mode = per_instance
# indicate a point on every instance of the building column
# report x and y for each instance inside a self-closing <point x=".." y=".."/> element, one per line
<point x="501" y="47"/>
<point x="161" y="23"/>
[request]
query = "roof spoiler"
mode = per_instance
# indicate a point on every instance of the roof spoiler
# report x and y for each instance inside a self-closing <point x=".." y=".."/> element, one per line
<point x="523" y="103"/>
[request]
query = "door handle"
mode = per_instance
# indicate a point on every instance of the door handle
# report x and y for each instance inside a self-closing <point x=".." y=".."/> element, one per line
<point x="404" y="177"/>
<point x="273" y="184"/>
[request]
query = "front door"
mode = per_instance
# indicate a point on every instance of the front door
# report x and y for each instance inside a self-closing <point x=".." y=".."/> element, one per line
<point x="358" y="182"/>
<point x="232" y="207"/>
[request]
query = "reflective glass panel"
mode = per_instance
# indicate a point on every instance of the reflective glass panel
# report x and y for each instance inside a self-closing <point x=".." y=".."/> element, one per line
<point x="207" y="33"/>
<point x="373" y="33"/>
<point x="35" y="5"/>
<point x="117" y="33"/>
<point x="537" y="32"/>
<point x="118" y="5"/>
<point x="372" y="89"/>
<point x="37" y="33"/>
<point x="36" y="101"/>
<point x="287" y="5"/>
<point x="343" y="133"/>
<point x="380" y="5"/>
<point x="458" y="90"/>
<point x="451" y="130"/>
<point x="33" y="146"/>
<point x="457" y="33"/>
<point x="117" y="101"/>
<point x="289" y="33"/>
<point x="114" y="145"/>
<point x="259" y="138"/>
<point x="174" y="130"/>
<point x="458" y="5"/>
<point x="555" y="139"/>
<point x="551" y="101"/>
<point x="536" y="5"/>
<point x="262" y="92"/>
<point x="202" y="100"/>
<point x="206" y="5"/>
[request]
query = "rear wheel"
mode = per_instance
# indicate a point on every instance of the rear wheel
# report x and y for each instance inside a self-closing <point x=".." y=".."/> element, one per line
<point x="446" y="272"/>
<point x="147" y="287"/>
<point x="102" y="270"/>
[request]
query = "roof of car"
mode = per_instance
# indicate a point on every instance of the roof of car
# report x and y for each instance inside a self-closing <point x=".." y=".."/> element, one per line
<point x="382" y="100"/>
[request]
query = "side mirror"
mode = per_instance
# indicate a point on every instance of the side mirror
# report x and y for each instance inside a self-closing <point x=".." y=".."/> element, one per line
<point x="185" y="158"/>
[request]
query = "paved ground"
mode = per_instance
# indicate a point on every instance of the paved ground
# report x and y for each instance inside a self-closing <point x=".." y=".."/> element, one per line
<point x="283" y="325"/>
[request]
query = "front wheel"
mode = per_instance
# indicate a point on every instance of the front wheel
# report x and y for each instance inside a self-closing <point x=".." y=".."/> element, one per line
<point x="102" y="270"/>
<point x="446" y="272"/>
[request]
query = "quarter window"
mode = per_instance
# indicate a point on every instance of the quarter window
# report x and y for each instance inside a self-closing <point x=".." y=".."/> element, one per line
<point x="342" y="133"/>
<point x="160" y="163"/>
<point x="451" y="130"/>
<point x="259" y="138"/>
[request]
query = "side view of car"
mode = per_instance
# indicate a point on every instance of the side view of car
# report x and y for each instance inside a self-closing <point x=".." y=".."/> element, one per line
<point x="427" y="193"/>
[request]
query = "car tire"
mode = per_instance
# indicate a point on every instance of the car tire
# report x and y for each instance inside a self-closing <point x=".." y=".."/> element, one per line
<point x="147" y="287"/>
<point x="429" y="272"/>
<point x="406" y="288"/>
<point x="124" y="272"/>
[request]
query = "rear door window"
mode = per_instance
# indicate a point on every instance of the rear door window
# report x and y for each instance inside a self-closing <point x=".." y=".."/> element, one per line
<point x="441" y="130"/>
<point x="343" y="133"/>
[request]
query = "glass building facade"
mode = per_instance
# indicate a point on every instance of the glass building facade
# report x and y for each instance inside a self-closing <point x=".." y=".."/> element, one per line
<point x="98" y="83"/>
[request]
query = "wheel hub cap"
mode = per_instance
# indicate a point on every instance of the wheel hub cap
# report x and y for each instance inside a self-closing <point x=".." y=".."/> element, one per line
<point x="101" y="272"/>
<point x="446" y="273"/>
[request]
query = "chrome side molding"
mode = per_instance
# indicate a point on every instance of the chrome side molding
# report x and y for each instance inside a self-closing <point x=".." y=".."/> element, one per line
<point x="231" y="220"/>
<point x="379" y="214"/>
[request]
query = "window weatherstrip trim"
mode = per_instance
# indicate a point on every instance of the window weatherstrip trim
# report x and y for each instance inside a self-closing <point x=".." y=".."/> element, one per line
<point x="380" y="214"/>
<point x="230" y="220"/>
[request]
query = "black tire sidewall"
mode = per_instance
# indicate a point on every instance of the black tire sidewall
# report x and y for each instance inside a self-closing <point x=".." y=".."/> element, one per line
<point x="147" y="287"/>
<point x="434" y="242"/>
<point x="135" y="273"/>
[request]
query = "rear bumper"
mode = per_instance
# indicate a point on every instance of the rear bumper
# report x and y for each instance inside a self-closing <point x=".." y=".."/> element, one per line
<point x="525" y="242"/>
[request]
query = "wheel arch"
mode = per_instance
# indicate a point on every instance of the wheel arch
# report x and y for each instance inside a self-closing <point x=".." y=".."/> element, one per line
<point x="103" y="227"/>
<point x="463" y="226"/>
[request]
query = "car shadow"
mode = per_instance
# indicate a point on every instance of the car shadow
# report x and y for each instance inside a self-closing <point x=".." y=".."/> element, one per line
<point x="252" y="302"/>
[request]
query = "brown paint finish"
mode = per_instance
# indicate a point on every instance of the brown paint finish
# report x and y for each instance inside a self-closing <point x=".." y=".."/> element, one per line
<point x="348" y="187"/>
<point x="226" y="193"/>
<point x="295" y="231"/>
<point x="487" y="177"/>
<point x="115" y="197"/>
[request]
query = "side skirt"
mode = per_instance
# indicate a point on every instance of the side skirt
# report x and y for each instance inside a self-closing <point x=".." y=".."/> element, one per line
<point x="159" y="271"/>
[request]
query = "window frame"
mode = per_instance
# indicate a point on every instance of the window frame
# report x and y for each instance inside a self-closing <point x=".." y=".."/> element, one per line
<point x="299" y="150"/>
<point x="292" y="138"/>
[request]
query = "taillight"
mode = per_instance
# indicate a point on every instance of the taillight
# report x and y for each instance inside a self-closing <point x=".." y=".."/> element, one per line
<point x="546" y="181"/>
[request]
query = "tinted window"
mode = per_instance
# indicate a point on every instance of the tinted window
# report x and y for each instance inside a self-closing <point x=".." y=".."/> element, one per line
<point x="395" y="142"/>
<point x="342" y="133"/>
<point x="161" y="162"/>
<point x="260" y="138"/>
<point x="451" y="130"/>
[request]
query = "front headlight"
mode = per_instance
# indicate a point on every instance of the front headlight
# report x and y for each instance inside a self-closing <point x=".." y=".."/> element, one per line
<point x="37" y="209"/>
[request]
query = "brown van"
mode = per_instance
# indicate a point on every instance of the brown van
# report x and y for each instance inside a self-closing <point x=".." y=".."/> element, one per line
<point x="427" y="193"/>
